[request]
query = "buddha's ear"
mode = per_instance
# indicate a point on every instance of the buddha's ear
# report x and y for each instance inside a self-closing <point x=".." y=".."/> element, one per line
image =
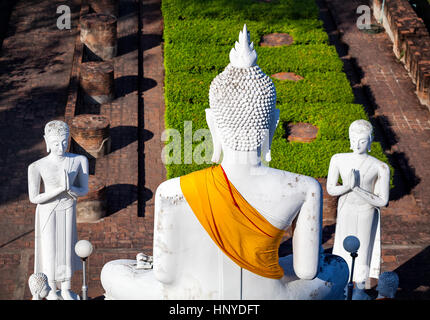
<point x="369" y="147"/>
<point x="275" y="120"/>
<point x="267" y="144"/>
<point x="217" y="148"/>
<point x="47" y="144"/>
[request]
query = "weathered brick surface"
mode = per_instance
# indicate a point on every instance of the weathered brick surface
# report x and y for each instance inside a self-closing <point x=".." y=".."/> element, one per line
<point x="411" y="42"/>
<point x="99" y="34"/>
<point x="90" y="131"/>
<point x="96" y="81"/>
<point x="93" y="206"/>
<point x="105" y="6"/>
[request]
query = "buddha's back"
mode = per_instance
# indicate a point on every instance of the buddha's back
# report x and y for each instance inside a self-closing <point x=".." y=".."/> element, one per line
<point x="194" y="264"/>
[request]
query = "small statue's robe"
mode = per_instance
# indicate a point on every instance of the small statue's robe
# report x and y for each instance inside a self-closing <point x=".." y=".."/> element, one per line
<point x="242" y="233"/>
<point x="55" y="223"/>
<point x="364" y="223"/>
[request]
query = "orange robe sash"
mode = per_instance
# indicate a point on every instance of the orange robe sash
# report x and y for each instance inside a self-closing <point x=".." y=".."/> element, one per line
<point x="241" y="232"/>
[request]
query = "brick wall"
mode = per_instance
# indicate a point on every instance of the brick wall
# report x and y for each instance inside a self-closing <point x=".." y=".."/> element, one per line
<point x="411" y="42"/>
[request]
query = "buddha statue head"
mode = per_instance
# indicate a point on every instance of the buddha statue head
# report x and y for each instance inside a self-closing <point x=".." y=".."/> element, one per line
<point x="388" y="283"/>
<point x="360" y="136"/>
<point x="38" y="283"/>
<point x="242" y="114"/>
<point x="56" y="137"/>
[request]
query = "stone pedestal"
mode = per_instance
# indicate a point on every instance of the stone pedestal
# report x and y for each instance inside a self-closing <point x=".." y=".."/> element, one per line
<point x="97" y="82"/>
<point x="105" y="6"/>
<point x="98" y="33"/>
<point x="92" y="207"/>
<point x="90" y="133"/>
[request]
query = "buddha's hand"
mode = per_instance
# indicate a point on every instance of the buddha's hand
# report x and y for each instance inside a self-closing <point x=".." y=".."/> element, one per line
<point x="353" y="179"/>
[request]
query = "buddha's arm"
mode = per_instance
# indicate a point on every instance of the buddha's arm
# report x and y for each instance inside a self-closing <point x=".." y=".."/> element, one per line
<point x="165" y="245"/>
<point x="380" y="200"/>
<point x="34" y="187"/>
<point x="82" y="177"/>
<point x="333" y="176"/>
<point x="307" y="233"/>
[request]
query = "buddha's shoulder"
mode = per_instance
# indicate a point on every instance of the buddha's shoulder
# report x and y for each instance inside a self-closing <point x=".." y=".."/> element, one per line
<point x="169" y="188"/>
<point x="380" y="164"/>
<point x="341" y="156"/>
<point x="287" y="180"/>
<point x="36" y="165"/>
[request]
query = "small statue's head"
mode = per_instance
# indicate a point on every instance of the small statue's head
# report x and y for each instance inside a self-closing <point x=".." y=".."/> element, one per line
<point x="360" y="136"/>
<point x="39" y="287"/>
<point x="56" y="137"/>
<point x="242" y="114"/>
<point x="387" y="284"/>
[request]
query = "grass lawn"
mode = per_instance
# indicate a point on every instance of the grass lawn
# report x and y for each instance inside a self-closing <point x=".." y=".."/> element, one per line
<point x="198" y="36"/>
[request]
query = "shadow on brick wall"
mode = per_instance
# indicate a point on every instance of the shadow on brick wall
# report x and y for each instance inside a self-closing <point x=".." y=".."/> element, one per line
<point x="412" y="287"/>
<point x="120" y="196"/>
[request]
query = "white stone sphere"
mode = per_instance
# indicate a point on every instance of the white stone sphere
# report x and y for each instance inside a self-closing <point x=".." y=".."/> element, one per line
<point x="83" y="248"/>
<point x="351" y="244"/>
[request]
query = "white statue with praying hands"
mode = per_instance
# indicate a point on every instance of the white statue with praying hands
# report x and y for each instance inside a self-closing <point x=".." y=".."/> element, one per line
<point x="364" y="189"/>
<point x="65" y="177"/>
<point x="217" y="231"/>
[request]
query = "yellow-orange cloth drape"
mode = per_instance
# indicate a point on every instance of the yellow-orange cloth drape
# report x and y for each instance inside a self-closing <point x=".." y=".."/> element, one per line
<point x="242" y="233"/>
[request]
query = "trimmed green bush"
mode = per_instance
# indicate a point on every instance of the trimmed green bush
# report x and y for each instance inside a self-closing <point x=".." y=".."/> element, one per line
<point x="198" y="37"/>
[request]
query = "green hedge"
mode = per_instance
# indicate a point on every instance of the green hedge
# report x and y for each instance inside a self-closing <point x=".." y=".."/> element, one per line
<point x="198" y="36"/>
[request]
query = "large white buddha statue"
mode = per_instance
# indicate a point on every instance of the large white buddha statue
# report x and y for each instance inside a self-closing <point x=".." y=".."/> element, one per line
<point x="65" y="177"/>
<point x="217" y="231"/>
<point x="364" y="189"/>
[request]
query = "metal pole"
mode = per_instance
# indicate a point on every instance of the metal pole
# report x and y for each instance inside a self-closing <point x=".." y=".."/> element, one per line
<point x="351" y="283"/>
<point x="84" y="286"/>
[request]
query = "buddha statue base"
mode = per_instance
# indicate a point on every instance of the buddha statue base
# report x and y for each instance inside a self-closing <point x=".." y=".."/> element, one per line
<point x="122" y="280"/>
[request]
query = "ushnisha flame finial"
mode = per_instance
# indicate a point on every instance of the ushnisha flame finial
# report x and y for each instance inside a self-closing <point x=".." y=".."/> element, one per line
<point x="243" y="54"/>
